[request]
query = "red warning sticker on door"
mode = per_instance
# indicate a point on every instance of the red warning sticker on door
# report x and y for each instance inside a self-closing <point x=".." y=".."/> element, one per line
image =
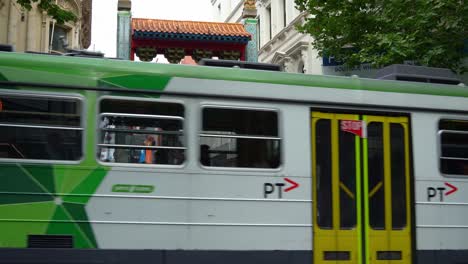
<point x="356" y="127"/>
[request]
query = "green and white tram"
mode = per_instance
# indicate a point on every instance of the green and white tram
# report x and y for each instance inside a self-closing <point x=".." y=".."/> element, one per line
<point x="105" y="161"/>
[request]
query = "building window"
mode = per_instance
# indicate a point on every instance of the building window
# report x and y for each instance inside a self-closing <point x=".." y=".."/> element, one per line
<point x="284" y="14"/>
<point x="453" y="136"/>
<point x="59" y="38"/>
<point x="242" y="138"/>
<point x="301" y="67"/>
<point x="269" y="24"/>
<point x="40" y="128"/>
<point x="145" y="132"/>
<point x="259" y="45"/>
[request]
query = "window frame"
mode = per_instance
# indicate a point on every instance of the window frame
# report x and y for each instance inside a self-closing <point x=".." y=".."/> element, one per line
<point x="68" y="35"/>
<point x="83" y="125"/>
<point x="280" y="137"/>
<point x="440" y="132"/>
<point x="99" y="114"/>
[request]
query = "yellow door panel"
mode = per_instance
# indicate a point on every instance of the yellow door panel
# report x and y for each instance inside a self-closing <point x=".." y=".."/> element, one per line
<point x="350" y="225"/>
<point x="335" y="244"/>
<point x="388" y="242"/>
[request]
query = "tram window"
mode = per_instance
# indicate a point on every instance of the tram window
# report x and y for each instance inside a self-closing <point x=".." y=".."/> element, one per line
<point x="240" y="138"/>
<point x="324" y="174"/>
<point x="40" y="128"/>
<point x="398" y="158"/>
<point x="454" y="147"/>
<point x="347" y="145"/>
<point x="376" y="191"/>
<point x="141" y="132"/>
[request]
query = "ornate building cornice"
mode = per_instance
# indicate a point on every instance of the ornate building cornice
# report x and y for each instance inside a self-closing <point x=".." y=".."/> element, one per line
<point x="250" y="9"/>
<point x="298" y="50"/>
<point x="278" y="57"/>
<point x="282" y="35"/>
<point x="70" y="5"/>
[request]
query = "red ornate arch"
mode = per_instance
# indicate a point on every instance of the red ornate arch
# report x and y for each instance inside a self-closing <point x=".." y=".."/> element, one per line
<point x="177" y="39"/>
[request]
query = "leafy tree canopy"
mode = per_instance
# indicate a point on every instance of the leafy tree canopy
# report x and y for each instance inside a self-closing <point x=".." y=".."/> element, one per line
<point x="383" y="32"/>
<point x="52" y="9"/>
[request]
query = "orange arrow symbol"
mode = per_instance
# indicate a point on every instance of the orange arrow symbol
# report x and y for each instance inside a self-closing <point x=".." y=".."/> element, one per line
<point x="294" y="185"/>
<point x="453" y="189"/>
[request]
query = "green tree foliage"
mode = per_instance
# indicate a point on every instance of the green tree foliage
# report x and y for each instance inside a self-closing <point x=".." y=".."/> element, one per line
<point x="52" y="9"/>
<point x="383" y="32"/>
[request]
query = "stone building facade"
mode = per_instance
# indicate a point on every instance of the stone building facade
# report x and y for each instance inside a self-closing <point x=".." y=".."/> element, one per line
<point x="279" y="42"/>
<point x="35" y="31"/>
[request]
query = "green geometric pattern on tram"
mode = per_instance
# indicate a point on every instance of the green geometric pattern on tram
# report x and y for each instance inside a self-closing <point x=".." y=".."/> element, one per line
<point x="23" y="198"/>
<point x="3" y="78"/>
<point x="64" y="225"/>
<point x="45" y="177"/>
<point x="138" y="81"/>
<point x="15" y="233"/>
<point x="17" y="180"/>
<point x="67" y="179"/>
<point x="29" y="204"/>
<point x="78" y="213"/>
<point x="83" y="191"/>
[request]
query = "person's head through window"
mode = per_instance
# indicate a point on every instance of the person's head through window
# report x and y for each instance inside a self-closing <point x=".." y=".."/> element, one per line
<point x="149" y="141"/>
<point x="149" y="157"/>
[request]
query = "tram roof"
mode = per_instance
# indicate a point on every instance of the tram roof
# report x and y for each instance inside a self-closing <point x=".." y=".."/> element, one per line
<point x="93" y="72"/>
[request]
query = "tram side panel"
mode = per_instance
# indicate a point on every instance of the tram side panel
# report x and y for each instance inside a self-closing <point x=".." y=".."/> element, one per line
<point x="172" y="208"/>
<point x="184" y="213"/>
<point x="196" y="208"/>
<point x="441" y="199"/>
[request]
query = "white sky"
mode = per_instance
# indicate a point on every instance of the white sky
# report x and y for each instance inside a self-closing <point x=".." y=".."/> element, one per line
<point x="104" y="21"/>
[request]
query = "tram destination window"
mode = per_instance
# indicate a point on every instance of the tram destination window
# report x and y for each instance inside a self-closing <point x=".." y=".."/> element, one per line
<point x="40" y="128"/>
<point x="453" y="136"/>
<point x="240" y="138"/>
<point x="141" y="132"/>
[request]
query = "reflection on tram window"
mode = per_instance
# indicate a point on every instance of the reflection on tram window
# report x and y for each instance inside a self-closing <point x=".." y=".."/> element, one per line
<point x="323" y="169"/>
<point x="239" y="138"/>
<point x="398" y="158"/>
<point x="347" y="152"/>
<point x="376" y="191"/>
<point x="141" y="132"/>
<point x="40" y="128"/>
<point x="454" y="147"/>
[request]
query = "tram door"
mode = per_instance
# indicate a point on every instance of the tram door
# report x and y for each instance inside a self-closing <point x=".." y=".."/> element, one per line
<point x="361" y="189"/>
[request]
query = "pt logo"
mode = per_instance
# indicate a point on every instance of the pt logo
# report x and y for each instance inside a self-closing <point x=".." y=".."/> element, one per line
<point x="433" y="192"/>
<point x="270" y="188"/>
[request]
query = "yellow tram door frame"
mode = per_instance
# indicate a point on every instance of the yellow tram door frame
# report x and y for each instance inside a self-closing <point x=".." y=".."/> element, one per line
<point x="384" y="242"/>
<point x="333" y="244"/>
